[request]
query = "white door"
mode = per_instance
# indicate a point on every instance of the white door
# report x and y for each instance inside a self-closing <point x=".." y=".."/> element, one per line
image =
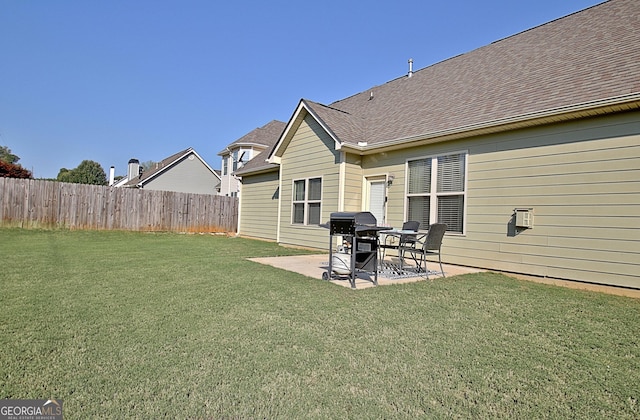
<point x="377" y="198"/>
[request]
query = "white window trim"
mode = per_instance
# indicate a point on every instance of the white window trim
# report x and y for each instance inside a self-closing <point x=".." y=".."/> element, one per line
<point x="306" y="200"/>
<point x="234" y="160"/>
<point x="225" y="165"/>
<point x="433" y="194"/>
<point x="366" y="197"/>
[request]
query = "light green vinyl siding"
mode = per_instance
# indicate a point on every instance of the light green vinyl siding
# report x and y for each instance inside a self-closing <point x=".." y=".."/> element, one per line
<point x="390" y="163"/>
<point x="353" y="183"/>
<point x="259" y="206"/>
<point x="582" y="179"/>
<point x="310" y="154"/>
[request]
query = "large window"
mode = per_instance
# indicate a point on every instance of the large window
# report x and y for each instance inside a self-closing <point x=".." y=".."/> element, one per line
<point x="307" y="197"/>
<point x="436" y="190"/>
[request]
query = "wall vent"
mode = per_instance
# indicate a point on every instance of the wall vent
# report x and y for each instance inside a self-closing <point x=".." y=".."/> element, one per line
<point x="524" y="218"/>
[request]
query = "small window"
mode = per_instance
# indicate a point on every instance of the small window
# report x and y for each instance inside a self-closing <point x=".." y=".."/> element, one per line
<point x="225" y="165"/>
<point x="234" y="157"/>
<point x="307" y="200"/>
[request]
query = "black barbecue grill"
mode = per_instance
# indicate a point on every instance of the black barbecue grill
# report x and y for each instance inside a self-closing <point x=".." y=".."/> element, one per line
<point x="360" y="232"/>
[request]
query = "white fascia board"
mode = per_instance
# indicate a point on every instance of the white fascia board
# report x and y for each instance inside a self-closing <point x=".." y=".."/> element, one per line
<point x="206" y="164"/>
<point x="275" y="154"/>
<point x="178" y="159"/>
<point x="325" y="127"/>
<point x="234" y="146"/>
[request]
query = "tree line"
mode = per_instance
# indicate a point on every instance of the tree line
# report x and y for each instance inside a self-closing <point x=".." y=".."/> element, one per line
<point x="88" y="172"/>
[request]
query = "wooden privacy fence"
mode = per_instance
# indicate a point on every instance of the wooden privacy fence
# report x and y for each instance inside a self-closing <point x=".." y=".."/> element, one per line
<point x="33" y="203"/>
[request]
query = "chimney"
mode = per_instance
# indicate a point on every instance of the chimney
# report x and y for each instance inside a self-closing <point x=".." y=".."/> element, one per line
<point x="133" y="171"/>
<point x="112" y="175"/>
<point x="410" y="67"/>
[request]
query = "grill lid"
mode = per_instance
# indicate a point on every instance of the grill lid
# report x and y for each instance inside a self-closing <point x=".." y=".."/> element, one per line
<point x="362" y="218"/>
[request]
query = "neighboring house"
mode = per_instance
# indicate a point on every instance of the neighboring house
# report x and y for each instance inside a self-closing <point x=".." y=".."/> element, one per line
<point x="185" y="171"/>
<point x="219" y="175"/>
<point x="241" y="151"/>
<point x="541" y="128"/>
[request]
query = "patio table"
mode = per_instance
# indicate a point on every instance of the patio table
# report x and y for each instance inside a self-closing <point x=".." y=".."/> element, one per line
<point x="396" y="234"/>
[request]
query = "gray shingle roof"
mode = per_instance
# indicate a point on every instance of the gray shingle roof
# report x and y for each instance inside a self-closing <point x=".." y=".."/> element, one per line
<point x="267" y="136"/>
<point x="344" y="125"/>
<point x="584" y="57"/>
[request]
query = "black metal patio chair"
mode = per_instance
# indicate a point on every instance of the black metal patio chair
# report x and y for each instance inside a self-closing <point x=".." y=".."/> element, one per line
<point x="431" y="246"/>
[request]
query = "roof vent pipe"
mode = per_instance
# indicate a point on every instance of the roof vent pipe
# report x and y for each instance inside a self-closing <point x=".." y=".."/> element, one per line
<point x="410" y="67"/>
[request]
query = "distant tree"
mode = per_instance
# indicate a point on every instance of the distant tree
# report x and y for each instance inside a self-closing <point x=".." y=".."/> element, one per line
<point x="148" y="165"/>
<point x="88" y="172"/>
<point x="7" y="156"/>
<point x="12" y="170"/>
<point x="64" y="175"/>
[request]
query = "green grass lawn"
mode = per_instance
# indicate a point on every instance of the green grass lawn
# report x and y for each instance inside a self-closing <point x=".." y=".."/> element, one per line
<point x="123" y="325"/>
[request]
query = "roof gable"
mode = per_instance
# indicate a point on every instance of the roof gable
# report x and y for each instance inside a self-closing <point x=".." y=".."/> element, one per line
<point x="164" y="165"/>
<point x="325" y="116"/>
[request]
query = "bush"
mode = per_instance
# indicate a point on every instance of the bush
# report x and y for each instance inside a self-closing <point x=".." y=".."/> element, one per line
<point x="13" y="170"/>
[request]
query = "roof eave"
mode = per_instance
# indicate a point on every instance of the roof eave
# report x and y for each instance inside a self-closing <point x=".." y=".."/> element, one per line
<point x="233" y="146"/>
<point x="258" y="171"/>
<point x="581" y="110"/>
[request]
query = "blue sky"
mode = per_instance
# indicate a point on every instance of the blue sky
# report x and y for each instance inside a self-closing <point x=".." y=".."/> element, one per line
<point x="113" y="80"/>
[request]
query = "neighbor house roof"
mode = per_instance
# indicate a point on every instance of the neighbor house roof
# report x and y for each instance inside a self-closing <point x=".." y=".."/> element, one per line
<point x="266" y="136"/>
<point x="583" y="64"/>
<point x="164" y="165"/>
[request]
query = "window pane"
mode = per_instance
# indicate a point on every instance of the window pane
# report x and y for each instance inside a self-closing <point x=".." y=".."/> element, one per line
<point x="298" y="190"/>
<point x="315" y="189"/>
<point x="314" y="214"/>
<point x="451" y="173"/>
<point x="420" y="176"/>
<point x="419" y="210"/>
<point x="298" y="213"/>
<point x="451" y="212"/>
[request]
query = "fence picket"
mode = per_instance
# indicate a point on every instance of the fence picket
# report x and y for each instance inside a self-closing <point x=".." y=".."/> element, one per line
<point x="38" y="203"/>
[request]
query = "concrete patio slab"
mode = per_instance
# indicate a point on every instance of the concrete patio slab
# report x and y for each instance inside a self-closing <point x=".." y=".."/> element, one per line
<point x="317" y="264"/>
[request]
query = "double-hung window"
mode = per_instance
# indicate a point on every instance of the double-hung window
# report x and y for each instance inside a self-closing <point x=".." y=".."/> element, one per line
<point x="234" y="157"/>
<point x="225" y="165"/>
<point x="307" y="198"/>
<point x="436" y="190"/>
